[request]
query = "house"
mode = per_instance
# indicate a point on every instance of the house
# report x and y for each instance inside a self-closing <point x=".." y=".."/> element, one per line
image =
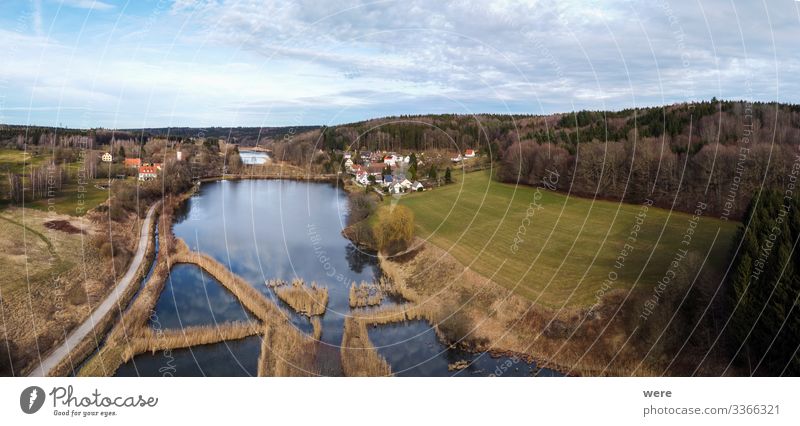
<point x="399" y="187"/>
<point x="457" y="159"/>
<point x="375" y="170"/>
<point x="387" y="180"/>
<point x="391" y="160"/>
<point x="470" y="153"/>
<point x="366" y="155"/>
<point x="417" y="186"/>
<point x="362" y="177"/>
<point x="348" y="156"/>
<point x="107" y="157"/>
<point x="132" y="162"/>
<point x="147" y="173"/>
<point x="348" y="164"/>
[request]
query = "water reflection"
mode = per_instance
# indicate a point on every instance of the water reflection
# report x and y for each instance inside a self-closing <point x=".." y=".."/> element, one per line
<point x="412" y="349"/>
<point x="233" y="358"/>
<point x="192" y="297"/>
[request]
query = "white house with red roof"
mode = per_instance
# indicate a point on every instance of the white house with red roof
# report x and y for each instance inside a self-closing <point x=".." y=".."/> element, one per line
<point x="148" y="172"/>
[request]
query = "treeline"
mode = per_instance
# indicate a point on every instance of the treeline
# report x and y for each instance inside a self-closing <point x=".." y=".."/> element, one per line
<point x="245" y="136"/>
<point x="723" y="176"/>
<point x="12" y="136"/>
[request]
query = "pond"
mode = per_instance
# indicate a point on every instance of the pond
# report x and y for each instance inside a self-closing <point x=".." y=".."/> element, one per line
<point x="268" y="229"/>
<point x="254" y="158"/>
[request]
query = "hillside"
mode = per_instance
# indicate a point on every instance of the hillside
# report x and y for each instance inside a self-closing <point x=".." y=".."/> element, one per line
<point x="560" y="251"/>
<point x="719" y="152"/>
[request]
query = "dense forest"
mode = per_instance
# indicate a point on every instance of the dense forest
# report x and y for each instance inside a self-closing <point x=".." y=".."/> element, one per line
<point x="765" y="286"/>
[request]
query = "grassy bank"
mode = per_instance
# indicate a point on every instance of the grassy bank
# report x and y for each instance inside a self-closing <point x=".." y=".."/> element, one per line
<point x="554" y="249"/>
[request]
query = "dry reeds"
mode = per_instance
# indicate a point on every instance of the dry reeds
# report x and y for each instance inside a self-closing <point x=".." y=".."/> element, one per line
<point x="254" y="301"/>
<point x="316" y="324"/>
<point x="152" y="340"/>
<point x="359" y="356"/>
<point x="304" y="300"/>
<point x="365" y="294"/>
<point x="286" y="352"/>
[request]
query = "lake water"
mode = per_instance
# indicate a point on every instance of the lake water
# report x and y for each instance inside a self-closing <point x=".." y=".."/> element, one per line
<point x="254" y="158"/>
<point x="192" y="297"/>
<point x="232" y="358"/>
<point x="267" y="229"/>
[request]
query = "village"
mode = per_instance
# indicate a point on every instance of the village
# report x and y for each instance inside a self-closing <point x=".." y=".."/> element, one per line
<point x="144" y="171"/>
<point x="393" y="173"/>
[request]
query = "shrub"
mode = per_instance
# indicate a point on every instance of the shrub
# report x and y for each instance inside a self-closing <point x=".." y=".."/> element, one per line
<point x="394" y="229"/>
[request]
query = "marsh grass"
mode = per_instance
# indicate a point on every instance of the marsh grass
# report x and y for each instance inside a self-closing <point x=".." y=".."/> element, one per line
<point x="304" y="300"/>
<point x="286" y="352"/>
<point x="364" y="295"/>
<point x="149" y="340"/>
<point x="359" y="356"/>
<point x="316" y="325"/>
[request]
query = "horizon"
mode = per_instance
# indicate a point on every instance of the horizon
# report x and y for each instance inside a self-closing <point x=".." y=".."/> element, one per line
<point x="386" y="117"/>
<point x="196" y="63"/>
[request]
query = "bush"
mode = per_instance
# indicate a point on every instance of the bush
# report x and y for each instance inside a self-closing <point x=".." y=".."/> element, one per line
<point x="394" y="229"/>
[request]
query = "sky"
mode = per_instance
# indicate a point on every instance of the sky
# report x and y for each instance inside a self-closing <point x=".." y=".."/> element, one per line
<point x="199" y="63"/>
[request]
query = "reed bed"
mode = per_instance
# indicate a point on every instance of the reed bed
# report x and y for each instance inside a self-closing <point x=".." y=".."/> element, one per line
<point x="286" y="352"/>
<point x="365" y="294"/>
<point x="152" y="341"/>
<point x="304" y="300"/>
<point x="359" y="356"/>
<point x="316" y="323"/>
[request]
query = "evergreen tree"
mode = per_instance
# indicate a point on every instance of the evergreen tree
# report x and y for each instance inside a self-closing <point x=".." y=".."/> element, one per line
<point x="447" y="176"/>
<point x="432" y="173"/>
<point x="764" y="286"/>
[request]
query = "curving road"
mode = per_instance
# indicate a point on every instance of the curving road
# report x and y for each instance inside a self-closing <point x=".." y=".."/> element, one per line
<point x="111" y="301"/>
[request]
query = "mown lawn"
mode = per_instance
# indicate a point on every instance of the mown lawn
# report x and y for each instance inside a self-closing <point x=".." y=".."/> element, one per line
<point x="569" y="246"/>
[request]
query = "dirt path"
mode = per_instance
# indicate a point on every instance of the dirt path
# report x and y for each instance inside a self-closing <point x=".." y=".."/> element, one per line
<point x="111" y="301"/>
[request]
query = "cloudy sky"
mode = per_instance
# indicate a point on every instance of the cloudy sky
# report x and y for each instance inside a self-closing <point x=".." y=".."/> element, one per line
<point x="156" y="63"/>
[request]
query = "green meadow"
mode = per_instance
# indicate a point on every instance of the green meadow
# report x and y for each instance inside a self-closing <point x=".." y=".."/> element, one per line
<point x="557" y="249"/>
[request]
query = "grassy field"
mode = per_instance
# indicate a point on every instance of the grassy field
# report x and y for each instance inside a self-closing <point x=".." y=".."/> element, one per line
<point x="14" y="160"/>
<point x="568" y="245"/>
<point x="68" y="201"/>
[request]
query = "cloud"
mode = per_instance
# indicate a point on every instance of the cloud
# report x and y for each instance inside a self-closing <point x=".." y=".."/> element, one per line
<point x="86" y="4"/>
<point x="212" y="61"/>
